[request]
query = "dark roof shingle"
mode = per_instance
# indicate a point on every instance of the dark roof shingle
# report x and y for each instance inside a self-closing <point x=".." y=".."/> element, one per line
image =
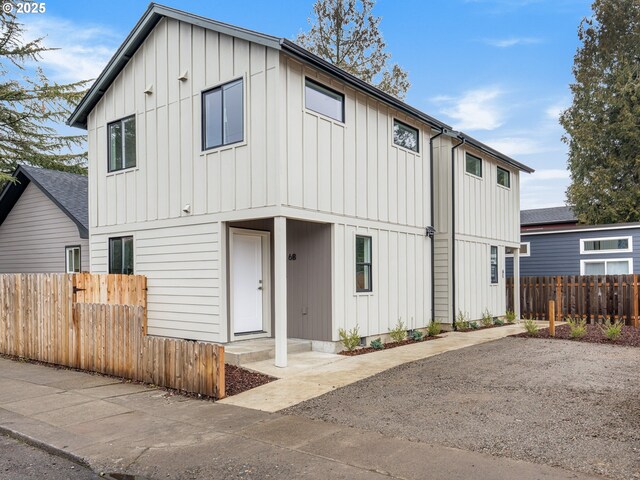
<point x="542" y="216"/>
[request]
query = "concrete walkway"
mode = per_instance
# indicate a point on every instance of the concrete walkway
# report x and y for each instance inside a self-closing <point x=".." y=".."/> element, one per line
<point x="312" y="374"/>
<point x="128" y="428"/>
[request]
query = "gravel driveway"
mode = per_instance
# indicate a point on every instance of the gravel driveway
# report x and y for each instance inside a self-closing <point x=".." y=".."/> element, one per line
<point x="562" y="403"/>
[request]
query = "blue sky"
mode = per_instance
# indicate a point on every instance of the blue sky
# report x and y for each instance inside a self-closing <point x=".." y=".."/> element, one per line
<point x="497" y="69"/>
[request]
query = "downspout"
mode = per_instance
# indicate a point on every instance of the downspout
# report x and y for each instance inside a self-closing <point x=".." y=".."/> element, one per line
<point x="431" y="221"/>
<point x="453" y="230"/>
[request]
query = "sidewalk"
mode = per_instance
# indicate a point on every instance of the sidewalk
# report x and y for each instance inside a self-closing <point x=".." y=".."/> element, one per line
<point x="312" y="374"/>
<point x="129" y="428"/>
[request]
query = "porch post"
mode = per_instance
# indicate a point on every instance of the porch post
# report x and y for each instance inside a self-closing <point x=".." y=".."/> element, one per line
<point x="280" y="292"/>
<point x="516" y="282"/>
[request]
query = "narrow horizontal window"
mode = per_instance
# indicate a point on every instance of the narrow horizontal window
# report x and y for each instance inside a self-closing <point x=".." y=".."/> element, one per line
<point x="623" y="266"/>
<point x="363" y="264"/>
<point x="524" y="250"/>
<point x="223" y="115"/>
<point x="122" y="144"/>
<point x="504" y="177"/>
<point x="600" y="245"/>
<point x="323" y="100"/>
<point x="405" y="136"/>
<point x="473" y="165"/>
<point x="121" y="255"/>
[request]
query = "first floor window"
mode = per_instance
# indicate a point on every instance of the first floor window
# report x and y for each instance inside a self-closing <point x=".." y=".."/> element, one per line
<point x="72" y="255"/>
<point x="606" y="267"/>
<point x="603" y="245"/>
<point x="494" y="264"/>
<point x="524" y="250"/>
<point x="405" y="136"/>
<point x="473" y="165"/>
<point x="363" y="264"/>
<point x="121" y="255"/>
<point x="223" y="115"/>
<point x="122" y="144"/>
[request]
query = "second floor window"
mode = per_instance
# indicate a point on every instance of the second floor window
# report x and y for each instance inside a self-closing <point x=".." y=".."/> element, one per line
<point x="122" y="144"/>
<point x="223" y="115"/>
<point x="504" y="177"/>
<point x="473" y="165"/>
<point x="323" y="100"/>
<point x="405" y="136"/>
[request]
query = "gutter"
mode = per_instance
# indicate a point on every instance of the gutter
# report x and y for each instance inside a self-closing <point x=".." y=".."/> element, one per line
<point x="453" y="228"/>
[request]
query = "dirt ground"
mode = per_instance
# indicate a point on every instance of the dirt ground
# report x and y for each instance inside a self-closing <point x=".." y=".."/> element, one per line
<point x="568" y="404"/>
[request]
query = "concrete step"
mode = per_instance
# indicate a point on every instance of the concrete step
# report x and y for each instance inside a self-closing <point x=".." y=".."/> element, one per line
<point x="246" y="351"/>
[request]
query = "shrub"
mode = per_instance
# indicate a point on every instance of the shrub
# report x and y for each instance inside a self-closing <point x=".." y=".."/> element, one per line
<point x="350" y="339"/>
<point x="377" y="344"/>
<point x="577" y="327"/>
<point x="433" y="329"/>
<point x="416" y="335"/>
<point x="531" y="326"/>
<point x="510" y="316"/>
<point x="399" y="333"/>
<point x="462" y="321"/>
<point x="498" y="321"/>
<point x="612" y="330"/>
<point x="474" y="325"/>
<point x="487" y="318"/>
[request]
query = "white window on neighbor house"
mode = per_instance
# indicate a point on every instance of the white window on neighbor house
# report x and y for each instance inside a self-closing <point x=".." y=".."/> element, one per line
<point x="72" y="255"/>
<point x="605" y="245"/>
<point x="405" y="136"/>
<point x="323" y="100"/>
<point x="525" y="250"/>
<point x="504" y="177"/>
<point x="473" y="165"/>
<point x="122" y="144"/>
<point x="223" y="115"/>
<point x="617" y="266"/>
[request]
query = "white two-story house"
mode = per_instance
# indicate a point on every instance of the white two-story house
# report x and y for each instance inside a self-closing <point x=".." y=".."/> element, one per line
<point x="267" y="193"/>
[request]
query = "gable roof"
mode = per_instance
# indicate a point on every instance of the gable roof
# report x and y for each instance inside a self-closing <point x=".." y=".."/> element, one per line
<point x="68" y="191"/>
<point x="547" y="216"/>
<point x="156" y="12"/>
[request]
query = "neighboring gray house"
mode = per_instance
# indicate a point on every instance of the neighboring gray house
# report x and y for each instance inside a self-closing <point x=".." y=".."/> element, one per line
<point x="266" y="193"/>
<point x="553" y="243"/>
<point x="44" y="222"/>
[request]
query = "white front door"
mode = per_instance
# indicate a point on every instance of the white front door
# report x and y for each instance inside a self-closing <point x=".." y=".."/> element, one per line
<point x="247" y="287"/>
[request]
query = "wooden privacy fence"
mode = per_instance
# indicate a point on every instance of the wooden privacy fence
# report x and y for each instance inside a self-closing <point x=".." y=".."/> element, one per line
<point x="589" y="297"/>
<point x="40" y="319"/>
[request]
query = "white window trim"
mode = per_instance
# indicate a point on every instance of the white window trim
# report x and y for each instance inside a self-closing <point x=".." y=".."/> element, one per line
<point x="528" y="254"/>
<point x="605" y="261"/>
<point x="600" y="252"/>
<point x="66" y="257"/>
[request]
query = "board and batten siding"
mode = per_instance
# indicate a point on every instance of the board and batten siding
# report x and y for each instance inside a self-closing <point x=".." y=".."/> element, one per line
<point x="34" y="235"/>
<point x="172" y="170"/>
<point x="350" y="169"/>
<point x="184" y="278"/>
<point x="401" y="270"/>
<point x="559" y="253"/>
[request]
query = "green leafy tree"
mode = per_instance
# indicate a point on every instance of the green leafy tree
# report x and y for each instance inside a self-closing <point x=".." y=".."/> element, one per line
<point x="32" y="108"/>
<point x="347" y="34"/>
<point x="603" y="123"/>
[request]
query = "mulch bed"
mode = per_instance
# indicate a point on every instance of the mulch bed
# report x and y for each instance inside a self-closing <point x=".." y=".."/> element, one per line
<point x="238" y="380"/>
<point x="363" y="350"/>
<point x="630" y="337"/>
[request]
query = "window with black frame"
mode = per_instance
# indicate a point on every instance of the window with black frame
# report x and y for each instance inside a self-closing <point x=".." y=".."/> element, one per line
<point x="122" y="144"/>
<point x="223" y="115"/>
<point x="364" y="281"/>
<point x="405" y="136"/>
<point x="494" y="264"/>
<point x="121" y="255"/>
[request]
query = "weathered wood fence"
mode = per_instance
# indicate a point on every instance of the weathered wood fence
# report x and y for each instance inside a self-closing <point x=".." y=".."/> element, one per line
<point x="588" y="297"/>
<point x="78" y="321"/>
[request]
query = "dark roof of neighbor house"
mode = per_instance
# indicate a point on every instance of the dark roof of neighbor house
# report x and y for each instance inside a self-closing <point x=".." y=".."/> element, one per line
<point x="69" y="191"/>
<point x="155" y="13"/>
<point x="547" y="216"/>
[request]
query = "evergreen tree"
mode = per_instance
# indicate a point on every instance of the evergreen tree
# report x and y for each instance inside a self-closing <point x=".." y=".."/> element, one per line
<point x="32" y="106"/>
<point x="603" y="123"/>
<point x="347" y="34"/>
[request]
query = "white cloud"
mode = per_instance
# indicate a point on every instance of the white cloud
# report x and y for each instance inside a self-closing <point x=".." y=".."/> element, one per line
<point x="511" y="42"/>
<point x="82" y="51"/>
<point x="546" y="174"/>
<point x="544" y="188"/>
<point x="477" y="109"/>
<point x="554" y="111"/>
<point x="514" y="146"/>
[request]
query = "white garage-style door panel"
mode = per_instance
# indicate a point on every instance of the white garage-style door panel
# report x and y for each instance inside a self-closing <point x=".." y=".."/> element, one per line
<point x="249" y="282"/>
